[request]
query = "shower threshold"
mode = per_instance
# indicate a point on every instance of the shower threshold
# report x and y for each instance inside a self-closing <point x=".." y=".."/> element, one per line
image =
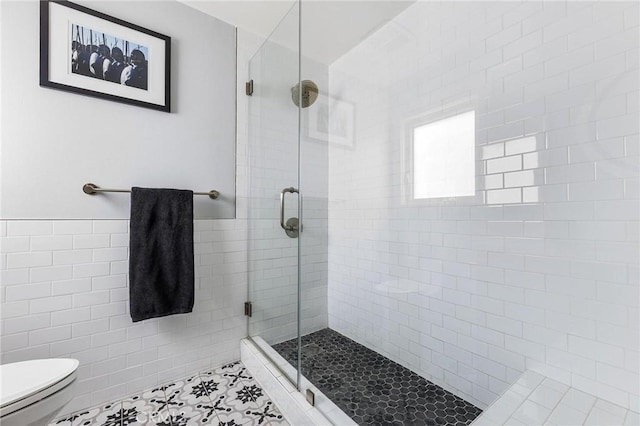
<point x="372" y="389"/>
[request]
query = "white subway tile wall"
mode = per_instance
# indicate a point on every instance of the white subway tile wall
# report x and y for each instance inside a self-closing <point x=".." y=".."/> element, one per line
<point x="539" y="270"/>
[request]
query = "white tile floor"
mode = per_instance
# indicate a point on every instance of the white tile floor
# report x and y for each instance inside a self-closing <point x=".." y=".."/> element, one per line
<point x="538" y="400"/>
<point x="226" y="396"/>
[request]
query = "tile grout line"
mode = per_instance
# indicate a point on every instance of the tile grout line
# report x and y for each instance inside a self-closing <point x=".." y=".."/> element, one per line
<point x="557" y="403"/>
<point x="221" y="374"/>
<point x="593" y="405"/>
<point x="166" y="402"/>
<point x="209" y="397"/>
<point x="522" y="402"/>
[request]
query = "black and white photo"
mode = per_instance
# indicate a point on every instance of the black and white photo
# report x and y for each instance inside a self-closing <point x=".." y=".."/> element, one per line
<point x="87" y="52"/>
<point x="109" y="58"/>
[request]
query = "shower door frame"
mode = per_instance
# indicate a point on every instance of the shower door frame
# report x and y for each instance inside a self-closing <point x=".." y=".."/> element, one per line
<point x="296" y="382"/>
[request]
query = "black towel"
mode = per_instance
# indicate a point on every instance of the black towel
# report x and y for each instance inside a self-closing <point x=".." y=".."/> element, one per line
<point x="161" y="271"/>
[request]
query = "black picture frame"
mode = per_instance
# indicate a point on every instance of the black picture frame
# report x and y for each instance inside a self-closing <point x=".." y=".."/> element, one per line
<point x="63" y="41"/>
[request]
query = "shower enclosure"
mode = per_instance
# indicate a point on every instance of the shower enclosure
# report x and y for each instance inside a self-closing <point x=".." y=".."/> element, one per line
<point x="274" y="128"/>
<point x="287" y="261"/>
<point x="459" y="204"/>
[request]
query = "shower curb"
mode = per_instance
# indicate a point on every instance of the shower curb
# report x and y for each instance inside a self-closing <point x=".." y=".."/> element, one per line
<point x="291" y="403"/>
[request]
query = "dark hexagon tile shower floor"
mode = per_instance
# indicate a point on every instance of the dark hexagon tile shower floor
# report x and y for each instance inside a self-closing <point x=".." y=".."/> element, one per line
<point x="372" y="389"/>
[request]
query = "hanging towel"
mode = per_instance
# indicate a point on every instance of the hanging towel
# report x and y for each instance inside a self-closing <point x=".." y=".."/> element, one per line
<point x="161" y="271"/>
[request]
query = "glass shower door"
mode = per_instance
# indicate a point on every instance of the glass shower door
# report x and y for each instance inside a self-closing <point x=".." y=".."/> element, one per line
<point x="273" y="198"/>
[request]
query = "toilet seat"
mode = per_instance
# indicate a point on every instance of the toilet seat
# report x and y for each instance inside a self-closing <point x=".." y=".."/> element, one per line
<point x="27" y="382"/>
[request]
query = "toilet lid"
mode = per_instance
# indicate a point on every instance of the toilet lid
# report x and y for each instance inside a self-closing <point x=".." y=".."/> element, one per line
<point x="20" y="379"/>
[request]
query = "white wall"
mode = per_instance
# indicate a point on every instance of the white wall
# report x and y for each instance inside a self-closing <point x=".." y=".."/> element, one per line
<point x="539" y="270"/>
<point x="53" y="142"/>
<point x="64" y="292"/>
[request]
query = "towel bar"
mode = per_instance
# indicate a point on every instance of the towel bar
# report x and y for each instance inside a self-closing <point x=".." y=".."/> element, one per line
<point x="92" y="189"/>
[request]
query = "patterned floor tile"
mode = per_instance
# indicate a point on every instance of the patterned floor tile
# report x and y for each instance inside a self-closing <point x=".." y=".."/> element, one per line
<point x="76" y="419"/>
<point x="253" y="390"/>
<point x="281" y="422"/>
<point x="104" y="415"/>
<point x="161" y="418"/>
<point x="233" y="418"/>
<point x="245" y="393"/>
<point x="175" y="419"/>
<point x="233" y="402"/>
<point x="278" y="417"/>
<point x="221" y="371"/>
<point x="225" y="396"/>
<point x="189" y="401"/>
<point x="236" y="375"/>
<point x="215" y="384"/>
<point x="149" y="407"/>
<point x="109" y="418"/>
<point x="230" y="368"/>
<point x="203" y="413"/>
<point x="264" y="412"/>
<point x="220" y="406"/>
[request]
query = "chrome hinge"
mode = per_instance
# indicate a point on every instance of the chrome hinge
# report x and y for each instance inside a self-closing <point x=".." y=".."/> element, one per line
<point x="248" y="87"/>
<point x="248" y="308"/>
<point x="311" y="397"/>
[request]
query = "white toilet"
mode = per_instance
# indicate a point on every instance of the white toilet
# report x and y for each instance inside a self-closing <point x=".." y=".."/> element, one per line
<point x="33" y="392"/>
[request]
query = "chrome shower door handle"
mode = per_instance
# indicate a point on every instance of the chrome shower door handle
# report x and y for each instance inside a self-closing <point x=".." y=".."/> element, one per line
<point x="291" y="227"/>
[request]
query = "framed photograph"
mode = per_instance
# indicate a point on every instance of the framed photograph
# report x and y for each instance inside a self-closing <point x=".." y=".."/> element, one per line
<point x="87" y="52"/>
<point x="332" y="120"/>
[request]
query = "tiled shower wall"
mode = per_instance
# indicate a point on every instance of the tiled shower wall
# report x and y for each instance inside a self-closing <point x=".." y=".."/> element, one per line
<point x="538" y="270"/>
<point x="64" y="293"/>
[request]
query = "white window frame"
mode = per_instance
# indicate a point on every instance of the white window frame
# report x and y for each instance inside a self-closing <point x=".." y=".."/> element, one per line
<point x="408" y="171"/>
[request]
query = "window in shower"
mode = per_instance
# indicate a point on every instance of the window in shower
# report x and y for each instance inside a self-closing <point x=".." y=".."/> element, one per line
<point x="444" y="157"/>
